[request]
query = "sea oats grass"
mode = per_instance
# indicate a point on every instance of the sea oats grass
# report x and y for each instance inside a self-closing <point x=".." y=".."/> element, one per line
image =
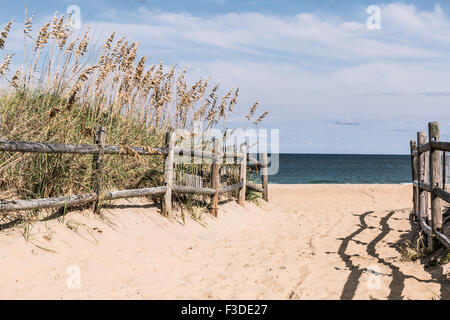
<point x="69" y="83"/>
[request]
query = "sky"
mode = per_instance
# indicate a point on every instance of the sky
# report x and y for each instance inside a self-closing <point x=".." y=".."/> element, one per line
<point x="330" y="83"/>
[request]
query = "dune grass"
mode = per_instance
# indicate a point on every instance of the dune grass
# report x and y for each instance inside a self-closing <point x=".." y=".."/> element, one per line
<point x="66" y="85"/>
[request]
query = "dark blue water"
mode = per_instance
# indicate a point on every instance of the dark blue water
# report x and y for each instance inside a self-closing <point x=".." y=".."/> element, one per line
<point x="341" y="168"/>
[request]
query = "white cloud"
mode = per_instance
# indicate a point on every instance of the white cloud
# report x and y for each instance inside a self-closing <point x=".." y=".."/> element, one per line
<point x="303" y="34"/>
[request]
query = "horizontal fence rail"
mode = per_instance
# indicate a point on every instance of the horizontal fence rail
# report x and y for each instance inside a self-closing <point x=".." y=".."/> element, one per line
<point x="424" y="148"/>
<point x="425" y="227"/>
<point x="41" y="147"/>
<point x="112" y="195"/>
<point x="443" y="239"/>
<point x="99" y="149"/>
<point x="426" y="157"/>
<point x="439" y="145"/>
<point x="194" y="190"/>
<point x="435" y="145"/>
<point x="444" y="195"/>
<point x="422" y="185"/>
<point x="56" y="202"/>
<point x="230" y="188"/>
<point x="255" y="187"/>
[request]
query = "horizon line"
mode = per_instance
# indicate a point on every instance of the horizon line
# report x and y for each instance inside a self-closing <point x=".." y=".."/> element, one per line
<point x="353" y="154"/>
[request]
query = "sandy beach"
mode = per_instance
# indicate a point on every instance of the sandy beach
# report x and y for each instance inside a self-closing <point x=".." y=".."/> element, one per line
<point x="308" y="242"/>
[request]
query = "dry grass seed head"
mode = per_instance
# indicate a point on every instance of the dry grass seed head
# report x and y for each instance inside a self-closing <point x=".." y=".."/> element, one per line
<point x="82" y="46"/>
<point x="15" y="79"/>
<point x="28" y="26"/>
<point x="5" y="64"/>
<point x="4" y="33"/>
<point x="252" y="110"/>
<point x="260" y="118"/>
<point x="42" y="37"/>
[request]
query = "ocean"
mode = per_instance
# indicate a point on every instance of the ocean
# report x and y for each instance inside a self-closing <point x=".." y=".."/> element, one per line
<point x="342" y="168"/>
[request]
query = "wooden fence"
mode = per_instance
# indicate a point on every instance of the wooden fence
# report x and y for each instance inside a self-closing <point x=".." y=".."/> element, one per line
<point x="428" y="163"/>
<point x="99" y="150"/>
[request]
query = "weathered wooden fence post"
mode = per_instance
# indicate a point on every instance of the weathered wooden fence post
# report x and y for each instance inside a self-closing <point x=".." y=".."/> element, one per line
<point x="414" y="176"/>
<point x="265" y="175"/>
<point x="435" y="182"/>
<point x="243" y="175"/>
<point x="444" y="170"/>
<point x="168" y="174"/>
<point x="215" y="178"/>
<point x="421" y="164"/>
<point x="97" y="164"/>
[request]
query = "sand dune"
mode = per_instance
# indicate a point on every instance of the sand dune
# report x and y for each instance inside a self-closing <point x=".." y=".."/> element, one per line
<point x="301" y="245"/>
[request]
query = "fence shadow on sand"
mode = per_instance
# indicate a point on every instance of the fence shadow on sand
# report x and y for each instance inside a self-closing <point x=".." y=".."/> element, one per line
<point x="397" y="282"/>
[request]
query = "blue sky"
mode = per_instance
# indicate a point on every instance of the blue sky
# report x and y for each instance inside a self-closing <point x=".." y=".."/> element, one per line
<point x="331" y="85"/>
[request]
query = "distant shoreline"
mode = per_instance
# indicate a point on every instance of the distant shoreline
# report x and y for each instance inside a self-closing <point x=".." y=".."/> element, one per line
<point x="342" y="154"/>
<point x="339" y="184"/>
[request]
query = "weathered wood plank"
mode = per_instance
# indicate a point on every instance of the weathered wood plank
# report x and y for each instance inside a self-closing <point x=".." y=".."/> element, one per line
<point x="215" y="180"/>
<point x="55" y="202"/>
<point x="423" y="187"/>
<point x="255" y="187"/>
<point x="414" y="176"/>
<point x="243" y="175"/>
<point x="120" y="194"/>
<point x="97" y="165"/>
<point x="194" y="190"/>
<point x="265" y="176"/>
<point x="435" y="182"/>
<point x="424" y="147"/>
<point x="230" y="187"/>
<point x="443" y="239"/>
<point x="444" y="173"/>
<point x="425" y="227"/>
<point x="440" y="145"/>
<point x="41" y="147"/>
<point x="168" y="174"/>
<point x="193" y="153"/>
<point x="441" y="193"/>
